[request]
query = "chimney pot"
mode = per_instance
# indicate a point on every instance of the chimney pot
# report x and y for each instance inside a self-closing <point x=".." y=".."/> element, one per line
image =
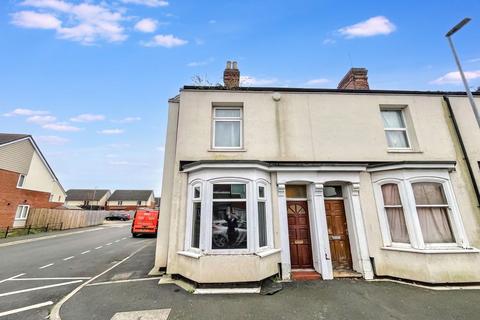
<point x="355" y="79"/>
<point x="231" y="75"/>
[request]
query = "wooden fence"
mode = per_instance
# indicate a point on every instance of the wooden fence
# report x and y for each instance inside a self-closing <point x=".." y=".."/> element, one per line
<point x="67" y="218"/>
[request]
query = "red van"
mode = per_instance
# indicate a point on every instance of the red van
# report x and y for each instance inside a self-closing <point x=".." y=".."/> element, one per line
<point x="145" y="221"/>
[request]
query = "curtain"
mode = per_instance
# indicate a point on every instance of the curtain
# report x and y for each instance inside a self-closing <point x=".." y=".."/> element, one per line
<point x="434" y="221"/>
<point x="396" y="139"/>
<point x="227" y="133"/>
<point x="392" y="119"/>
<point x="395" y="215"/>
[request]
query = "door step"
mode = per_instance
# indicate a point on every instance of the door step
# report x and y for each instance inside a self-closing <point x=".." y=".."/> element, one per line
<point x="305" y="275"/>
<point x="346" y="274"/>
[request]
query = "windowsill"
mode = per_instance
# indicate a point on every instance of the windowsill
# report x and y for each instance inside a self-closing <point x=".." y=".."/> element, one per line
<point x="403" y="151"/>
<point x="20" y="219"/>
<point x="267" y="252"/>
<point x="227" y="150"/>
<point x="434" y="251"/>
<point x="190" y="254"/>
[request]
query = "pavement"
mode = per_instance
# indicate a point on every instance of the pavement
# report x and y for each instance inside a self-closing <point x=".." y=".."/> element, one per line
<point x="114" y="284"/>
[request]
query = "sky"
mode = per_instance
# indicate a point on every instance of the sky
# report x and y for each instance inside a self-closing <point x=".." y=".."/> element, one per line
<point x="90" y="79"/>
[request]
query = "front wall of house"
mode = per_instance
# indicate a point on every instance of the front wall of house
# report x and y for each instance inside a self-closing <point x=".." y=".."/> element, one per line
<point x="16" y="156"/>
<point x="294" y="129"/>
<point x="11" y="197"/>
<point x="40" y="179"/>
<point x="304" y="127"/>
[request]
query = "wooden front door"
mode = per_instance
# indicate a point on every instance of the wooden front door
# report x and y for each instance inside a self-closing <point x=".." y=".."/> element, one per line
<point x="299" y="235"/>
<point x="338" y="235"/>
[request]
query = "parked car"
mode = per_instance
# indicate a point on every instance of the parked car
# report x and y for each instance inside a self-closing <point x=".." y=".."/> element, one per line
<point x="117" y="215"/>
<point x="145" y="222"/>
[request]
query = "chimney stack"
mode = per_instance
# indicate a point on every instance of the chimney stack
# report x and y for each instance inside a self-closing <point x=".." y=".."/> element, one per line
<point x="356" y="79"/>
<point x="231" y="75"/>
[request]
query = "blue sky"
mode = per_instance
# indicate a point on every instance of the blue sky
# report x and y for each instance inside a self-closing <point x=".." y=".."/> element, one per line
<point x="90" y="79"/>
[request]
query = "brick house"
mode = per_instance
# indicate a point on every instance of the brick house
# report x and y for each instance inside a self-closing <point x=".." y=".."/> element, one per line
<point x="26" y="180"/>
<point x="131" y="200"/>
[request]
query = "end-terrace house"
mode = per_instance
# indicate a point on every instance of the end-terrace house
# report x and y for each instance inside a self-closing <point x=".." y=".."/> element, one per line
<point x="26" y="180"/>
<point x="91" y="199"/>
<point x="131" y="200"/>
<point x="264" y="181"/>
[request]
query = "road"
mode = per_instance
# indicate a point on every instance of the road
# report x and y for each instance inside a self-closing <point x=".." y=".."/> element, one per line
<point x="36" y="275"/>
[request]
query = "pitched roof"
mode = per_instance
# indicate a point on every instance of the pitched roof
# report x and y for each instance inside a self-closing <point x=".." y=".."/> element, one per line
<point x="86" y="194"/>
<point x="10" y="137"/>
<point x="135" y="195"/>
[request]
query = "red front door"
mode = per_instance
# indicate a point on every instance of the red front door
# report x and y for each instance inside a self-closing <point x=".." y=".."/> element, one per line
<point x="299" y="235"/>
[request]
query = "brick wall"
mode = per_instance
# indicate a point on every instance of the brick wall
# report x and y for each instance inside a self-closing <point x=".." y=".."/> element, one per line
<point x="11" y="197"/>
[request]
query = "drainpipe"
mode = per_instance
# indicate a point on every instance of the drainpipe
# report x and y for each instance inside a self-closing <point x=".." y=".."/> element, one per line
<point x="464" y="151"/>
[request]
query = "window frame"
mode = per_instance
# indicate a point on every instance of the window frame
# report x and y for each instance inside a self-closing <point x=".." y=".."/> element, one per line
<point x="206" y="218"/>
<point x="231" y="119"/>
<point x="119" y="202"/>
<point x="21" y="180"/>
<point x="404" y="179"/>
<point x="23" y="206"/>
<point x="400" y="109"/>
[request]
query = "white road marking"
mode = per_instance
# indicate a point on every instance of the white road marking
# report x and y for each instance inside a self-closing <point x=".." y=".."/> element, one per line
<point x="85" y="252"/>
<point x="11" y="278"/>
<point x="123" y="281"/>
<point x="99" y="247"/>
<point x="68" y="258"/>
<point x="47" y="265"/>
<point x="39" y="288"/>
<point x="109" y="244"/>
<point x="55" y="312"/>
<point x="59" y="278"/>
<point x="117" y="240"/>
<point x="33" y="306"/>
<point x="123" y="238"/>
<point x="159" y="314"/>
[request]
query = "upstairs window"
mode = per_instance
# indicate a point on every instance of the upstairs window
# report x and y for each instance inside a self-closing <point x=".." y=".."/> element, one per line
<point x="119" y="203"/>
<point x="139" y="203"/>
<point x="227" y="127"/>
<point x="395" y="129"/>
<point x="21" y="181"/>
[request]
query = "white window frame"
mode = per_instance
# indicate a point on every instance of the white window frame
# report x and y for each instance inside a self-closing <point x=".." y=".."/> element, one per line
<point x="24" y="213"/>
<point x="119" y="203"/>
<point x="404" y="180"/>
<point x="230" y="119"/>
<point x="21" y="180"/>
<point x="206" y="199"/>
<point x="401" y="109"/>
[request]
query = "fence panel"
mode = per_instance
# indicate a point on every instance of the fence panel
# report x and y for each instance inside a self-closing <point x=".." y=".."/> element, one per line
<point x="69" y="219"/>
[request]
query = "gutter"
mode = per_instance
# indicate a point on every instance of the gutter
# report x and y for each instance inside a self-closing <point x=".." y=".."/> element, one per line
<point x="464" y="150"/>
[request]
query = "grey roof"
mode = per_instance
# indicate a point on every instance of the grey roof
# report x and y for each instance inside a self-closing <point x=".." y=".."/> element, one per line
<point x="134" y="195"/>
<point x="9" y="137"/>
<point x="85" y="194"/>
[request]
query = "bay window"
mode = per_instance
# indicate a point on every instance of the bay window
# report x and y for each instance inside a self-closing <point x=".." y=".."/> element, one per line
<point x="229" y="216"/>
<point x="394" y="212"/>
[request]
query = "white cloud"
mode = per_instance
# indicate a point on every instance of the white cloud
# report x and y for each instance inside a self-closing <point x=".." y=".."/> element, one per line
<point x="148" y="3"/>
<point x="87" y="117"/>
<point x="127" y="120"/>
<point x="61" y="127"/>
<point x="161" y="148"/>
<point x="52" y="140"/>
<point x="319" y="81"/>
<point x="146" y="25"/>
<point x="473" y="60"/>
<point x="200" y="63"/>
<point x="252" y="81"/>
<point x="84" y="22"/>
<point x="167" y="41"/>
<point x="111" y="131"/>
<point x="374" y="26"/>
<point x="24" y="112"/>
<point x="328" y="41"/>
<point x="455" y="78"/>
<point x="41" y="119"/>
<point x="35" y="20"/>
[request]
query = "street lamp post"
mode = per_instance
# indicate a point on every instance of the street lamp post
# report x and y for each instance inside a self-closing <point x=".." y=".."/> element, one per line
<point x="449" y="34"/>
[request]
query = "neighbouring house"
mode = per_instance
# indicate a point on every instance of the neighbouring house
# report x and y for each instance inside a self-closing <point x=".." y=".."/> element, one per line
<point x="131" y="200"/>
<point x="91" y="199"/>
<point x="157" y="203"/>
<point x="349" y="181"/>
<point x="26" y="180"/>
